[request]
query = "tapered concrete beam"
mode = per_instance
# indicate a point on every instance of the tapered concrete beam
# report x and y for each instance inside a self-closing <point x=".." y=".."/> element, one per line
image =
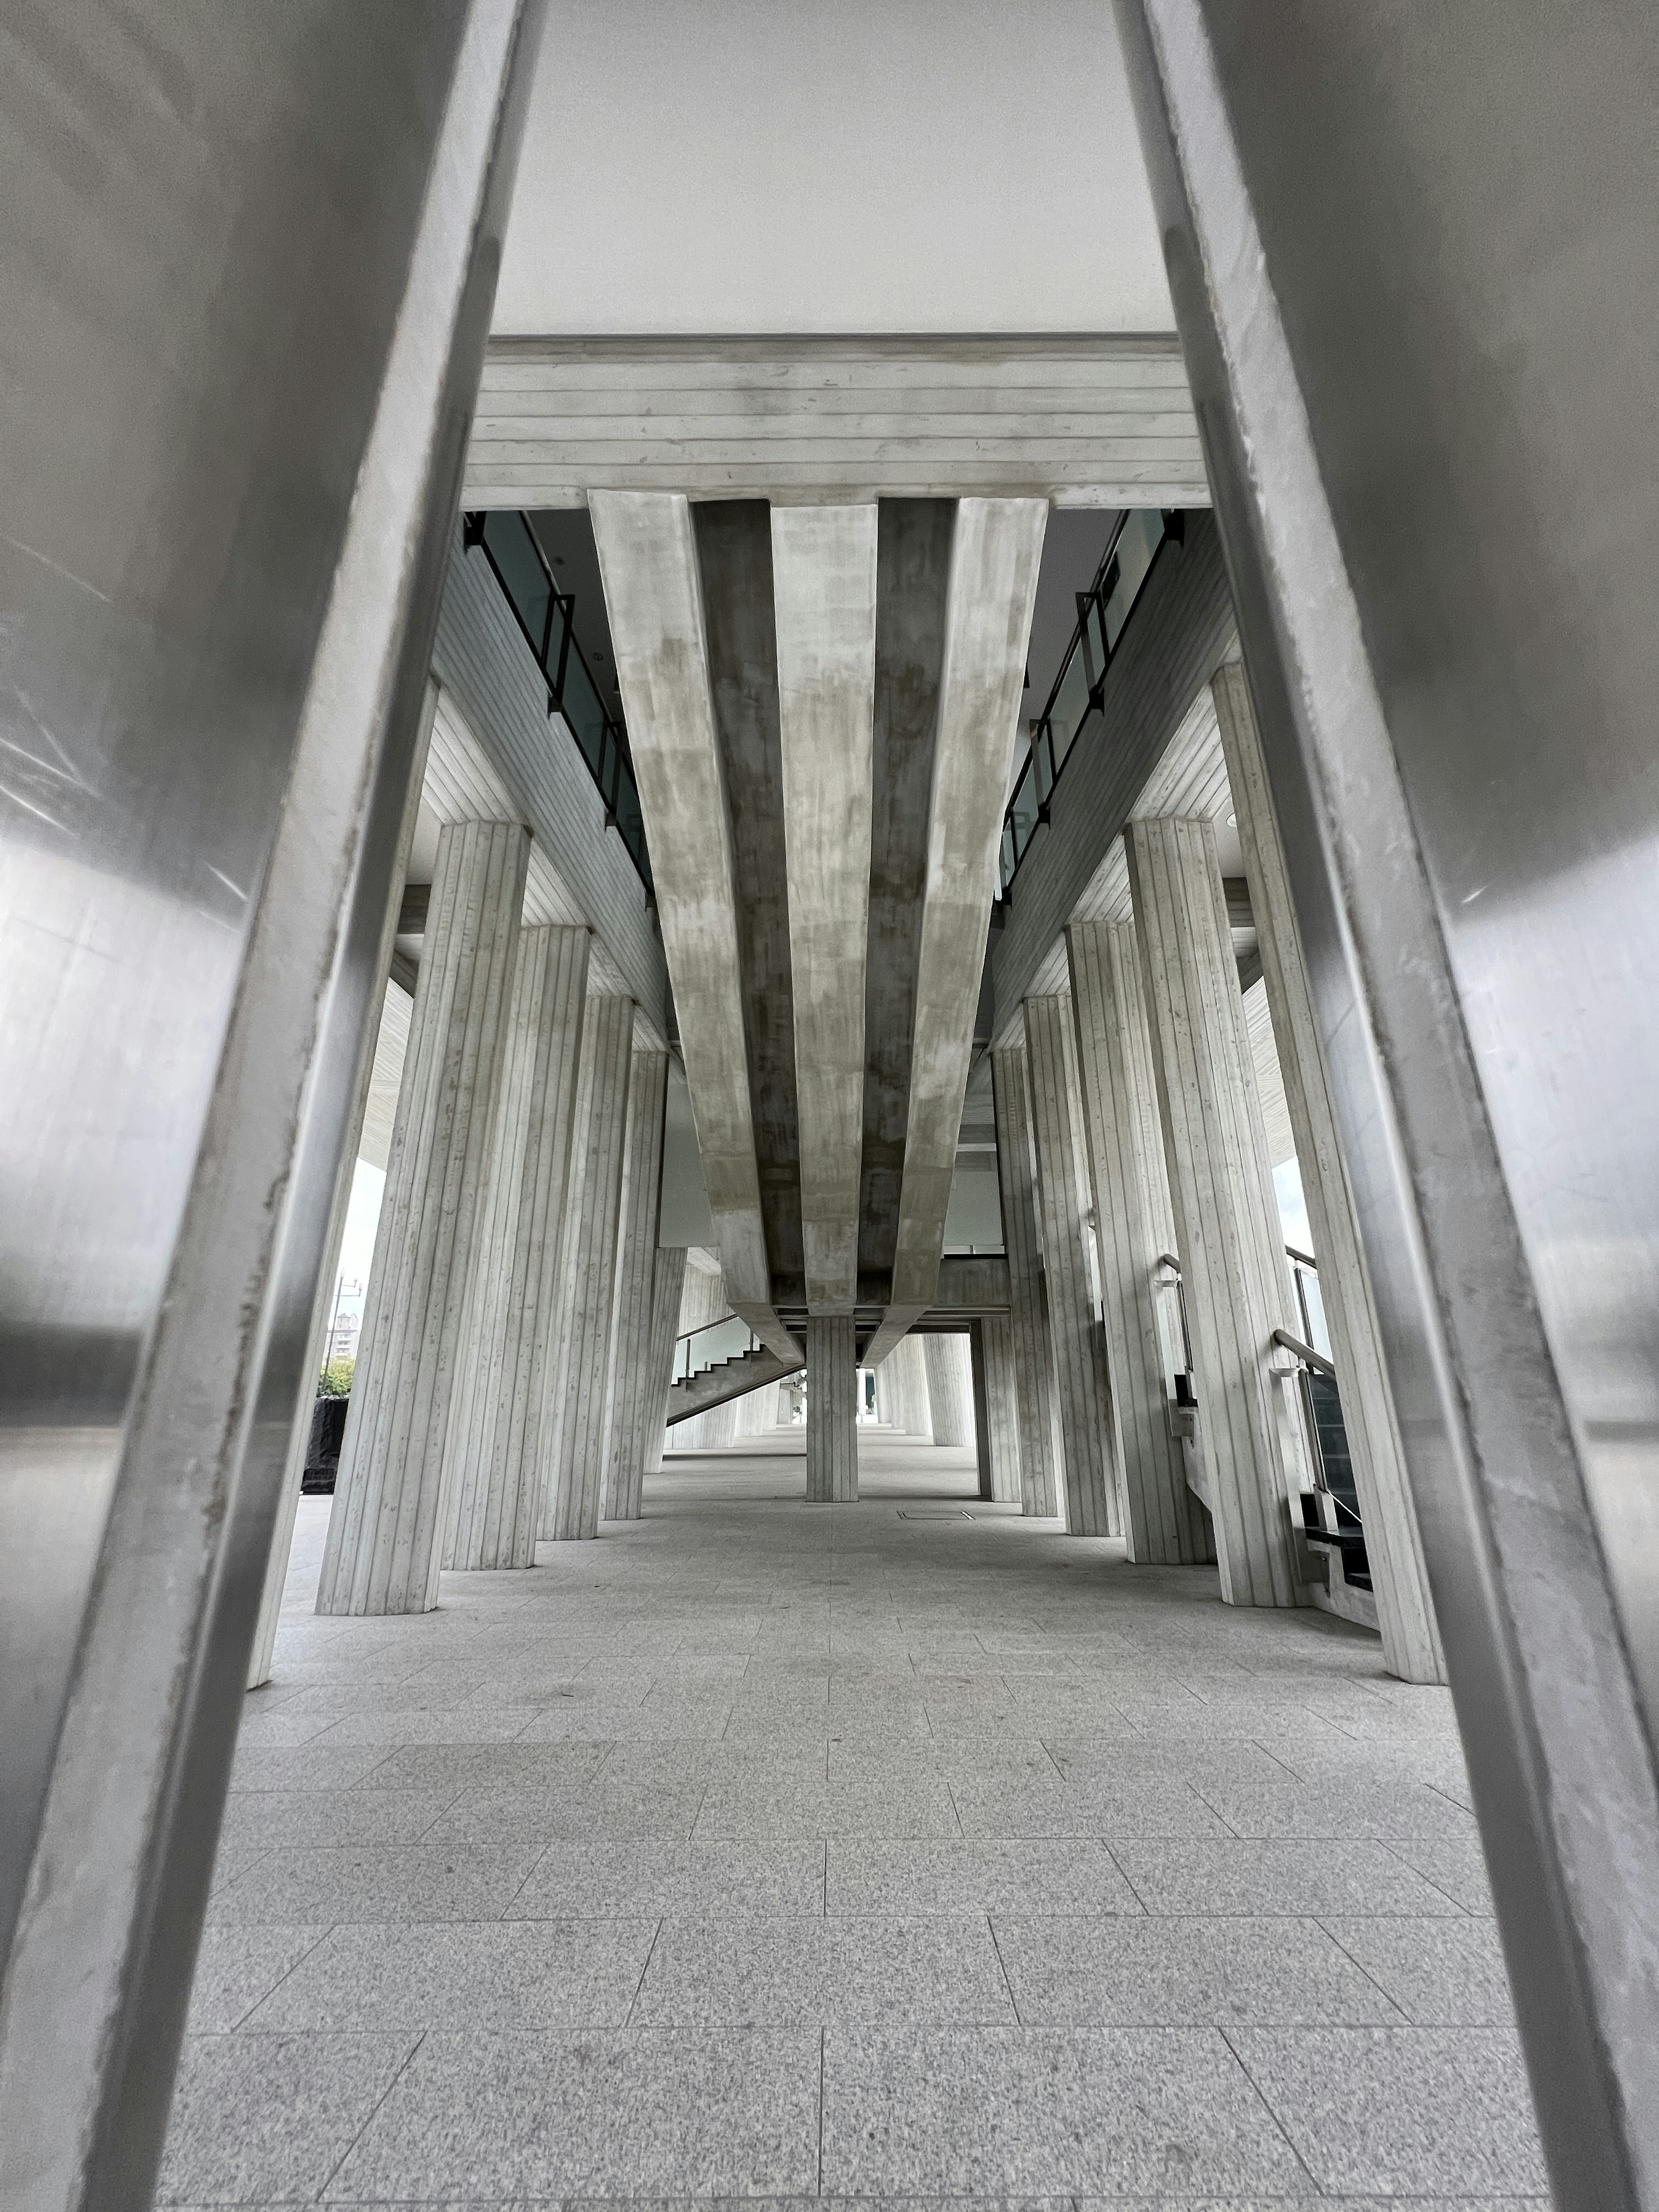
<point x="823" y="588"/>
<point x="994" y="557"/>
<point x="653" y="597"/>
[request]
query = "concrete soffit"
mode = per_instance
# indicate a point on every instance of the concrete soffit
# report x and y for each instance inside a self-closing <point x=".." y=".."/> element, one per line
<point x="1086" y="419"/>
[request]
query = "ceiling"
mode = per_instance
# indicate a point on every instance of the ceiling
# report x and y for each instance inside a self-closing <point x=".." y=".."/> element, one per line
<point x="879" y="166"/>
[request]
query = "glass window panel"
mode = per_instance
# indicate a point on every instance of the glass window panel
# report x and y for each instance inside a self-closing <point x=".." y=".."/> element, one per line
<point x="1094" y="641"/>
<point x="1140" y="538"/>
<point x="1006" y="868"/>
<point x="1071" y="705"/>
<point x="1023" y="813"/>
<point x="584" y="711"/>
<point x="523" y="571"/>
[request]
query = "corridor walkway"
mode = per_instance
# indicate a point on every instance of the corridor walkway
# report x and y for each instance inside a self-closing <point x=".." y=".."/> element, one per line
<point x="902" y="1850"/>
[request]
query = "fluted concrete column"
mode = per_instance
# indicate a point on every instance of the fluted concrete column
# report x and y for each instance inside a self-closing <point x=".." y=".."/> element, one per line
<point x="1232" y="1253"/>
<point x="1033" y="1361"/>
<point x="912" y="1414"/>
<point x="949" y="1365"/>
<point x="832" y="1440"/>
<point x="1134" y="1226"/>
<point x="385" y="1534"/>
<point x="633" y="1379"/>
<point x="573" y="1471"/>
<point x="667" y="1292"/>
<point x="513" y="1285"/>
<point x="1000" y="1468"/>
<point x="1411" y="1636"/>
<point x="1085" y="1392"/>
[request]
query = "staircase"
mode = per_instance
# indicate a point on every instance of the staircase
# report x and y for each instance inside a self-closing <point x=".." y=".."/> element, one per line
<point x="725" y="1359"/>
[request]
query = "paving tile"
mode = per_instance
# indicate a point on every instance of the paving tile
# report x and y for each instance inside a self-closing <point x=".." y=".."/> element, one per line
<point x="264" y="1725"/>
<point x="1328" y="1810"/>
<point x="516" y="1812"/>
<point x="810" y="1808"/>
<point x="1132" y="1757"/>
<point x="1064" y="1878"/>
<point x="1156" y="1973"/>
<point x="635" y="2113"/>
<point x="1408" y="2111"/>
<point x="1040" y="2111"/>
<point x="714" y="1973"/>
<point x="1005" y="1804"/>
<point x="307" y="1766"/>
<point x="1439" y="1973"/>
<point x="1254" y="1878"/>
<point x="605" y="1720"/>
<point x="420" y="1883"/>
<point x="237" y="1966"/>
<point x="338" y="1818"/>
<point x="463" y="1725"/>
<point x="260" y="2119"/>
<point x="489" y="1973"/>
<point x="1453" y="1865"/>
<point x="457" y="1767"/>
<point x="627" y="1875"/>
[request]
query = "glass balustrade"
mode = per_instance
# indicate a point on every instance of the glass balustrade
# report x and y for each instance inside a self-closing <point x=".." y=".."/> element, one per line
<point x="545" y="616"/>
<point x="711" y="1345"/>
<point x="1073" y="711"/>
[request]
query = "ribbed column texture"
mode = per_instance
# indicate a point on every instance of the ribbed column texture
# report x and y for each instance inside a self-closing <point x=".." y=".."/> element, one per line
<point x="1405" y="1607"/>
<point x="996" y="1338"/>
<point x="633" y="1380"/>
<point x="385" y="1534"/>
<point x="667" y="1290"/>
<point x="1164" y="1522"/>
<point x="1033" y="1368"/>
<point x="832" y="1439"/>
<point x="1085" y="1393"/>
<point x="982" y="1408"/>
<point x="322" y="1311"/>
<point x="949" y="1365"/>
<point x="513" y="1286"/>
<point x="1227" y="1229"/>
<point x="907" y="1384"/>
<point x="573" y="1471"/>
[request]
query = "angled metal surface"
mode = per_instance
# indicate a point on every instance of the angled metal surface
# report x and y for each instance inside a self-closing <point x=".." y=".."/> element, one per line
<point x="653" y="595"/>
<point x="994" y="557"/>
<point x="823" y="582"/>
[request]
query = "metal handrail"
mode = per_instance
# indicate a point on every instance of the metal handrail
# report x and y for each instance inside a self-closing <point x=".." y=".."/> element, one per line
<point x="1304" y="1352"/>
<point x="603" y="740"/>
<point x="1100" y="628"/>
<point x="685" y="1366"/>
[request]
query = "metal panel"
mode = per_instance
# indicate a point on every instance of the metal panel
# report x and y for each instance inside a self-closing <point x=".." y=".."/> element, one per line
<point x="1416" y="264"/>
<point x="245" y="280"/>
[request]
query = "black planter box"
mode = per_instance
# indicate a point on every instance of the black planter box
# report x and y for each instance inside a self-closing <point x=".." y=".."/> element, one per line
<point x="328" y="1419"/>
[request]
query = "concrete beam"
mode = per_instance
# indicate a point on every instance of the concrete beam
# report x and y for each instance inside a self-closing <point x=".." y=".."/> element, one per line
<point x="653" y="597"/>
<point x="994" y="572"/>
<point x="823" y="585"/>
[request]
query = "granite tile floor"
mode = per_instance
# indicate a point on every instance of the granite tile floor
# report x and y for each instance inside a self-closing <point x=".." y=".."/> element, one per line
<point x="902" y="1851"/>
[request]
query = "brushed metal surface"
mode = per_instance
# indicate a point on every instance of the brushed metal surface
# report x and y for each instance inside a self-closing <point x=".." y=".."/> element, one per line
<point x="246" y="265"/>
<point x="1415" y="259"/>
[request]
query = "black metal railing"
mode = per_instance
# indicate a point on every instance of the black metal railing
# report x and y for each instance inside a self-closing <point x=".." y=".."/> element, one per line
<point x="1104" y="612"/>
<point x="545" y="615"/>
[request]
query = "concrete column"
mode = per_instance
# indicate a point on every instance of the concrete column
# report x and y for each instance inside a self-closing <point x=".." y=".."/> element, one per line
<point x="1134" y="1226"/>
<point x="633" y="1378"/>
<point x="949" y="1365"/>
<point x="282" y="1542"/>
<point x="1232" y="1253"/>
<point x="910" y="1380"/>
<point x="1033" y="1364"/>
<point x="513" y="1289"/>
<point x="1092" y="1508"/>
<point x="832" y="1445"/>
<point x="1411" y="1636"/>
<point x="386" y="1531"/>
<point x="996" y="1340"/>
<point x="667" y="1292"/>
<point x="573" y="1469"/>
